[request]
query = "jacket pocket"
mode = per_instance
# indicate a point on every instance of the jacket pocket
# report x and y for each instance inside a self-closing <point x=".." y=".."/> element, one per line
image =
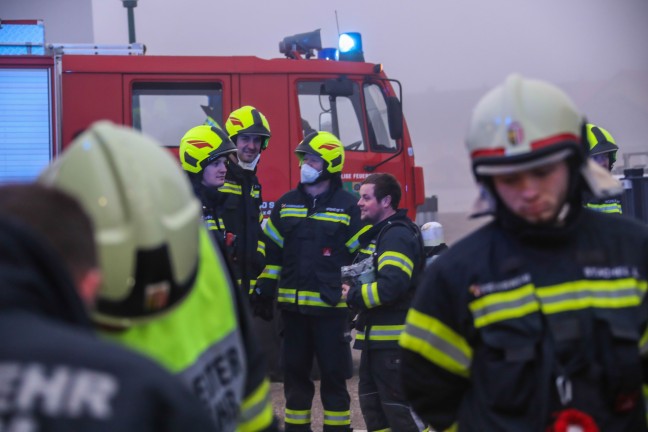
<point x="330" y="288"/>
<point x="618" y="353"/>
<point x="509" y="369"/>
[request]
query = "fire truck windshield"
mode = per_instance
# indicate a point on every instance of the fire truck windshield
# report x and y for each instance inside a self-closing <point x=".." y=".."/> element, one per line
<point x="346" y="116"/>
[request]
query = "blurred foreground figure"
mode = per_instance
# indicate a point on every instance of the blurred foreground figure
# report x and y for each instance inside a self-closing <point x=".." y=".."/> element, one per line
<point x="55" y="374"/>
<point x="537" y="320"/>
<point x="166" y="290"/>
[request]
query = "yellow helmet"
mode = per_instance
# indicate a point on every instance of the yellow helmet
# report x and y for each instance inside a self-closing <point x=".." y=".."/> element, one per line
<point x="248" y="120"/>
<point x="203" y="144"/>
<point x="146" y="220"/>
<point x="325" y="145"/>
<point x="600" y="142"/>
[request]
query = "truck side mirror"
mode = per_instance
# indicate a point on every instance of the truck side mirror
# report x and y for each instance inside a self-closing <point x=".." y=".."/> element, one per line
<point x="395" y="117"/>
<point x="338" y="87"/>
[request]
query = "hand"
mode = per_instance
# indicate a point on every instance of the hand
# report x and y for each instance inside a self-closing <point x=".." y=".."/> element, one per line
<point x="345" y="290"/>
<point x="262" y="306"/>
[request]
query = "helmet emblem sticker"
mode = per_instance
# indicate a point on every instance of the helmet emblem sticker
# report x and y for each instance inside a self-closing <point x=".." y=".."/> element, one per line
<point x="327" y="147"/>
<point x="199" y="143"/>
<point x="515" y="133"/>
<point x="157" y="295"/>
<point x="236" y="122"/>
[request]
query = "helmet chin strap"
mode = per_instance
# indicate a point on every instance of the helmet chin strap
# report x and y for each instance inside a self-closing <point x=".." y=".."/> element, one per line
<point x="250" y="166"/>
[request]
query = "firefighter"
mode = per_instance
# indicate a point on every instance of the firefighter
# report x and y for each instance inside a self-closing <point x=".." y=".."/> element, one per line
<point x="166" y="290"/>
<point x="433" y="241"/>
<point x="249" y="130"/>
<point x="394" y="249"/>
<point x="205" y="155"/>
<point x="55" y="374"/>
<point x="537" y="320"/>
<point x="603" y="150"/>
<point x="313" y="231"/>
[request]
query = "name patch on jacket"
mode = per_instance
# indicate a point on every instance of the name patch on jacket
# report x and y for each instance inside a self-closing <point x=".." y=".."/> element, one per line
<point x="505" y="285"/>
<point x="617" y="272"/>
<point x="32" y="390"/>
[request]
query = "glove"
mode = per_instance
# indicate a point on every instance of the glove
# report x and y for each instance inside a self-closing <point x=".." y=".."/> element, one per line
<point x="262" y="306"/>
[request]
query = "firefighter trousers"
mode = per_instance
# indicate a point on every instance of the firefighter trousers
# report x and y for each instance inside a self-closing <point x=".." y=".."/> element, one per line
<point x="326" y="339"/>
<point x="382" y="401"/>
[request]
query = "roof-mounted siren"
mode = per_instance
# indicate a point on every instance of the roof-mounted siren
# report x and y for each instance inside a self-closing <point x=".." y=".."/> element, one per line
<point x="350" y="44"/>
<point x="301" y="44"/>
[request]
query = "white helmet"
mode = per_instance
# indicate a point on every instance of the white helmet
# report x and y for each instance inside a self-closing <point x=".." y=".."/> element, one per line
<point x="525" y="123"/>
<point x="432" y="234"/>
<point x="146" y="220"/>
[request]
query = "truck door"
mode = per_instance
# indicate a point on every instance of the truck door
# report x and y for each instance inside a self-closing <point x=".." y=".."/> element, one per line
<point x="356" y="112"/>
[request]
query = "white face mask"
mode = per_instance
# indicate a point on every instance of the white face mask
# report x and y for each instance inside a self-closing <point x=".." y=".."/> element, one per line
<point x="309" y="174"/>
<point x="249" y="165"/>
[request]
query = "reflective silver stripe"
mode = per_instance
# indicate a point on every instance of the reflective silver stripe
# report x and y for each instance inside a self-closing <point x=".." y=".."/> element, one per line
<point x="450" y="350"/>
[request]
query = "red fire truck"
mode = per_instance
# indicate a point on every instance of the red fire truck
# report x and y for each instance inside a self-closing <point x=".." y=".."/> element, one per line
<point x="50" y="93"/>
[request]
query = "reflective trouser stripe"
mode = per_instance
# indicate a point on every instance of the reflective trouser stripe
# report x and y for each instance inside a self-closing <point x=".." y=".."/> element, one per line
<point x="337" y="418"/>
<point x="298" y="417"/>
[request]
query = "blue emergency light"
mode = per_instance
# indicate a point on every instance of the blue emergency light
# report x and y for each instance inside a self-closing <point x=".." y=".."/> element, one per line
<point x="350" y="44"/>
<point x="328" y="54"/>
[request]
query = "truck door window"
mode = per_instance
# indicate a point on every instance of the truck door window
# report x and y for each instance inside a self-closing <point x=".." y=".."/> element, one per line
<point x="319" y="113"/>
<point x="25" y="123"/>
<point x="166" y="110"/>
<point x="377" y="119"/>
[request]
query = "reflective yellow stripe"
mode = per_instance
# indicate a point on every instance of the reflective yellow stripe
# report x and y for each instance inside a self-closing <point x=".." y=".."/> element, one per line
<point x="273" y="233"/>
<point x="297" y="416"/>
<point x="606" y="207"/>
<point x="256" y="410"/>
<point x="287" y="295"/>
<point x="370" y="294"/>
<point x="270" y="272"/>
<point x="438" y="343"/>
<point x="504" y="305"/>
<point x="261" y="247"/>
<point x="305" y="298"/>
<point x="312" y="298"/>
<point x="293" y="212"/>
<point x="337" y="418"/>
<point x="397" y="260"/>
<point x="354" y="242"/>
<point x="385" y="332"/>
<point x="231" y="188"/>
<point x="370" y="249"/>
<point x="254" y="193"/>
<point x="607" y="294"/>
<point x="332" y="217"/>
<point x="643" y="343"/>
